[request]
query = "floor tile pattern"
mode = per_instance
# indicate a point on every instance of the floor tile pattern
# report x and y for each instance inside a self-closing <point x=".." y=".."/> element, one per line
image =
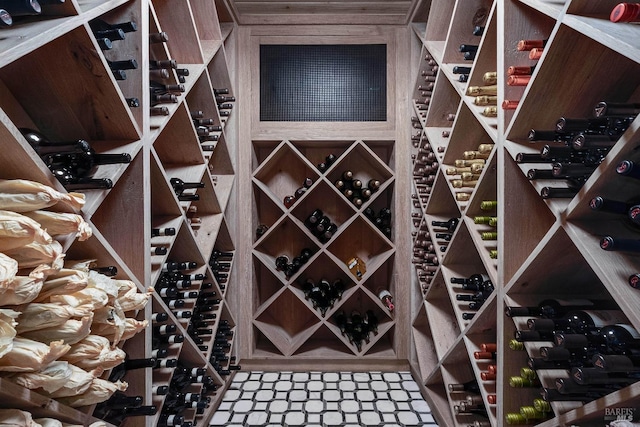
<point x="322" y="399"/>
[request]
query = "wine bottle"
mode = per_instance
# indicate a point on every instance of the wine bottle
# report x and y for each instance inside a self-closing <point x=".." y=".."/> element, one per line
<point x="450" y="225"/>
<point x="179" y="185"/>
<point x="615" y="109"/>
<point x="121" y="370"/>
<point x="469" y="387"/>
<point x="117" y="417"/>
<point x="554" y="308"/>
<point x="595" y="376"/>
<point x="628" y="168"/>
<point x="5" y="19"/>
<point x="166" y="231"/>
<point x="625" y="12"/>
<point x="610" y="243"/>
<point x="387" y="299"/>
<point x="21" y="7"/>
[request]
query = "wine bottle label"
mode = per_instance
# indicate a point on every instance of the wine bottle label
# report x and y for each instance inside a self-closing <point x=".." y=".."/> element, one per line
<point x="162" y="330"/>
<point x="384" y="294"/>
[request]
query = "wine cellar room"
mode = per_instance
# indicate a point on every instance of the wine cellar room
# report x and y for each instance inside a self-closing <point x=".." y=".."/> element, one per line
<point x="279" y="213"/>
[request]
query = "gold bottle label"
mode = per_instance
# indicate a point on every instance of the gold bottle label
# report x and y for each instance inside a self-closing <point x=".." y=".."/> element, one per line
<point x="357" y="267"/>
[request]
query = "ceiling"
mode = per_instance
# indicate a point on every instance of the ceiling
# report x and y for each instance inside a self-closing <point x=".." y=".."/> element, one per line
<point x="307" y="12"/>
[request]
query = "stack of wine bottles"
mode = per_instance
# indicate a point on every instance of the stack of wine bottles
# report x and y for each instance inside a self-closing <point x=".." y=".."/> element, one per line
<point x="466" y="171"/>
<point x="186" y="396"/>
<point x="535" y="413"/>
<point x="356" y="327"/>
<point x="290" y="200"/>
<point x="328" y="161"/>
<point x="224" y="102"/>
<point x="422" y="246"/>
<point x="173" y="285"/>
<point x="486" y="95"/>
<point x="488" y="101"/>
<point x="12" y="11"/>
<point x="220" y="264"/>
<point x="520" y="75"/>
<point x="205" y="307"/>
<point x="105" y="34"/>
<point x="73" y="163"/>
<point x="425" y="164"/>
<point x="577" y="146"/>
<point x="474" y="290"/>
<point x="488" y="206"/>
<point x="444" y="231"/>
<point x="354" y="189"/>
<point x="429" y="72"/>
<point x="185" y="191"/>
<point x="220" y="358"/>
<point x="627" y="211"/>
<point x="159" y="247"/>
<point x="592" y="340"/>
<point x="382" y="220"/>
<point x="320" y="225"/>
<point x="162" y="73"/>
<point x="206" y="129"/>
<point x="291" y="267"/>
<point x="468" y="51"/>
<point x="486" y="361"/>
<point x="470" y="404"/>
<point x="425" y="258"/>
<point x="161" y="93"/>
<point x="323" y="294"/>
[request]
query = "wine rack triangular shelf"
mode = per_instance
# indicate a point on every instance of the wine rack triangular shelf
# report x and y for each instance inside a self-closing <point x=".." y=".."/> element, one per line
<point x="524" y="235"/>
<point x="440" y="312"/>
<point x="445" y="100"/>
<point x="361" y="240"/>
<point x="422" y="336"/>
<point x="287" y="322"/>
<point x="322" y="344"/>
<point x="113" y="213"/>
<point x="316" y="152"/>
<point x="284" y="172"/>
<point x="179" y="20"/>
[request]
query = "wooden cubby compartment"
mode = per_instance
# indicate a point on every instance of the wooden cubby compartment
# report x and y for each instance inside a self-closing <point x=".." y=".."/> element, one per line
<point x="279" y="168"/>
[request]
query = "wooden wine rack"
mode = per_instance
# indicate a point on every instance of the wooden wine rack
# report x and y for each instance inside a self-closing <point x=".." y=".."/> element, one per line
<point x="56" y="79"/>
<point x="546" y="247"/>
<point x="281" y="329"/>
<point x="286" y="324"/>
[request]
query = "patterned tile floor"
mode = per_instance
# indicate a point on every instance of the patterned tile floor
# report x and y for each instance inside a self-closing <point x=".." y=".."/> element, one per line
<point x="319" y="399"/>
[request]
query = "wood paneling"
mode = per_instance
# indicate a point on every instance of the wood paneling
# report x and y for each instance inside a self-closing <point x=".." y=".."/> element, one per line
<point x="257" y="12"/>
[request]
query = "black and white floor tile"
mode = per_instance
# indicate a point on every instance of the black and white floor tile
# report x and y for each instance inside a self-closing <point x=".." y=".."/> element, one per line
<point x="322" y="399"/>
